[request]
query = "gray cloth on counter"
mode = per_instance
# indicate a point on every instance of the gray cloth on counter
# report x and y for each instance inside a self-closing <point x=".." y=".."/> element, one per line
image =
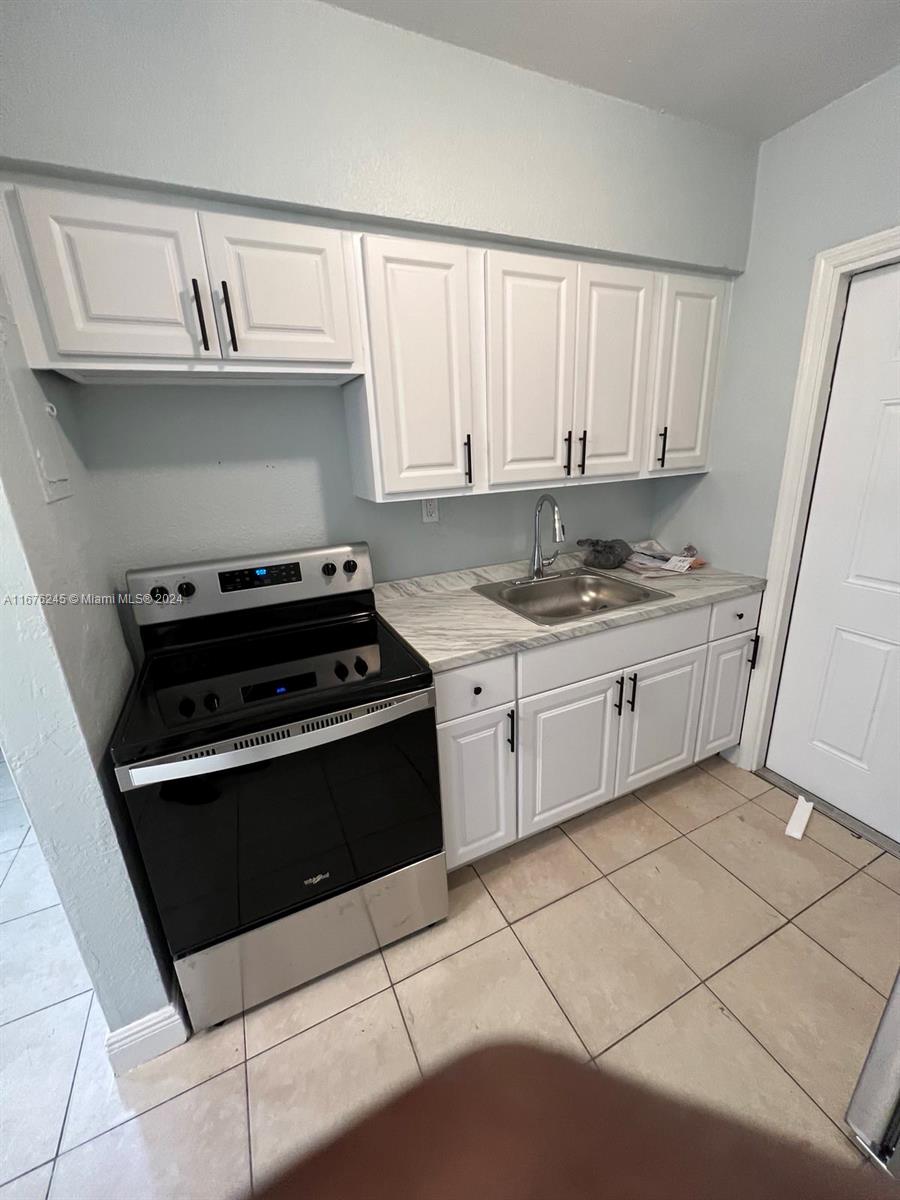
<point x="605" y="555"/>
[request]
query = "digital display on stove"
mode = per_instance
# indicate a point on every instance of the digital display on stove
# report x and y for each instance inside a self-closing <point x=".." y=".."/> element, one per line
<point x="273" y="688"/>
<point x="254" y="577"/>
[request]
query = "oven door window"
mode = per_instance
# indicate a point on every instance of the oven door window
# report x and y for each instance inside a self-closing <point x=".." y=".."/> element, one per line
<point x="228" y="851"/>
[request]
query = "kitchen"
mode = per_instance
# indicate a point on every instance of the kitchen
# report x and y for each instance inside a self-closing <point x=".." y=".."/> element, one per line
<point x="307" y="371"/>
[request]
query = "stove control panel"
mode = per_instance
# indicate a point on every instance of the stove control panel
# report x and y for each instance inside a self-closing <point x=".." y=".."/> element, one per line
<point x="202" y="589"/>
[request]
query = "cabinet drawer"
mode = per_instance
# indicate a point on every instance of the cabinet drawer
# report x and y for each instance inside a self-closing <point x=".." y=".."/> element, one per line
<point x="559" y="663"/>
<point x="734" y="616"/>
<point x="466" y="690"/>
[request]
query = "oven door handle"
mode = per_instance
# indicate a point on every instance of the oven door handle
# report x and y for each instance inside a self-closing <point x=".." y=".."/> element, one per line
<point x="343" y="724"/>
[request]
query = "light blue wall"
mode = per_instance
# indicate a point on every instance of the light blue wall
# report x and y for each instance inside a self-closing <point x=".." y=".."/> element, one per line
<point x="181" y="473"/>
<point x="829" y="179"/>
<point x="299" y="102"/>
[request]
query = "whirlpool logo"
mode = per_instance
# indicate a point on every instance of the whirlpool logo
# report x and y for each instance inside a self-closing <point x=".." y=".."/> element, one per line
<point x="316" y="878"/>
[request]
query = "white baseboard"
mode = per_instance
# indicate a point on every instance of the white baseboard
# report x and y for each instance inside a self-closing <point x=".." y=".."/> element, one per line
<point x="146" y="1038"/>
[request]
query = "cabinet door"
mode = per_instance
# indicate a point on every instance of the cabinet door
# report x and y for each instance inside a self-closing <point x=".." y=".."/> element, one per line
<point x="120" y="277"/>
<point x="417" y="295"/>
<point x="724" y="694"/>
<point x="530" y="366"/>
<point x="690" y="330"/>
<point x="280" y="288"/>
<point x="567" y="752"/>
<point x="615" y="322"/>
<point x="478" y="784"/>
<point x="659" y="718"/>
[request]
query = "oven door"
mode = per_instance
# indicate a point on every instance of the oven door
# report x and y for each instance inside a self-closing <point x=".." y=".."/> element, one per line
<point x="236" y="837"/>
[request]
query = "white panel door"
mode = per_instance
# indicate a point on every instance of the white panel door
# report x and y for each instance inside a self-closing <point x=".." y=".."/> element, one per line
<point x="615" y="323"/>
<point x="687" y="357"/>
<point x="724" y="694"/>
<point x="280" y="288"/>
<point x="119" y="277"/>
<point x="417" y="295"/>
<point x="836" y="731"/>
<point x="567" y="752"/>
<point x="530" y="366"/>
<point x="659" y="721"/>
<point x="478" y="784"/>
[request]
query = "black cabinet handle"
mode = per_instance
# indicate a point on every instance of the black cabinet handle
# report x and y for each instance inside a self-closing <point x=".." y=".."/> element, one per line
<point x="230" y="316"/>
<point x="467" y="447"/>
<point x="476" y="691"/>
<point x="754" y="653"/>
<point x="200" y="317"/>
<point x="665" y="437"/>
<point x="620" y="683"/>
<point x="567" y="442"/>
<point x="633" y="695"/>
<point x="740" y="616"/>
<point x="512" y="730"/>
<point x="583" y="440"/>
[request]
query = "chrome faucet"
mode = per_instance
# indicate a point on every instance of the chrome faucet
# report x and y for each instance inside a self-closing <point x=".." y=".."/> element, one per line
<point x="538" y="562"/>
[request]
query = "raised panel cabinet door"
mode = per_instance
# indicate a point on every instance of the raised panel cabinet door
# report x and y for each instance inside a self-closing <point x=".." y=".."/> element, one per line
<point x="725" y="686"/>
<point x="530" y="366"/>
<point x="281" y="289"/>
<point x="659" y="718"/>
<point x="612" y="356"/>
<point x="417" y="295"/>
<point x="687" y="357"/>
<point x="120" y="278"/>
<point x="478" y="783"/>
<point x="567" y="752"/>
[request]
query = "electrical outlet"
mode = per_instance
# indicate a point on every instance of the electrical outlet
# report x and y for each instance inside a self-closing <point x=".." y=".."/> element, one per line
<point x="430" y="511"/>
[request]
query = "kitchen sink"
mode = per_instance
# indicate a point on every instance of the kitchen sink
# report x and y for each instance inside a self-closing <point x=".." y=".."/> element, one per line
<point x="567" y="596"/>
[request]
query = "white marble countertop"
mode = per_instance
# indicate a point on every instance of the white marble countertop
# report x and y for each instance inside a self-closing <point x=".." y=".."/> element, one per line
<point x="450" y="625"/>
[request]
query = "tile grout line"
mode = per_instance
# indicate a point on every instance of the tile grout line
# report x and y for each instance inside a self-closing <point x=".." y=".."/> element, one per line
<point x="33" y="913"/>
<point x="556" y="998"/>
<point x="646" y="1021"/>
<point x="247" y="1106"/>
<point x="22" y="1174"/>
<point x="45" y="1007"/>
<point x="62" y="1125"/>
<point x="315" y="1024"/>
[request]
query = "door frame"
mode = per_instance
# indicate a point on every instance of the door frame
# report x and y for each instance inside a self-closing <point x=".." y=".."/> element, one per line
<point x="832" y="272"/>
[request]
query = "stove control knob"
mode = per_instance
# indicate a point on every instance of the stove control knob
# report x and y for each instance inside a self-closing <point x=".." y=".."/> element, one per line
<point x="186" y="589"/>
<point x="186" y="707"/>
<point x="211" y="701"/>
<point x="329" y="569"/>
<point x="350" y="566"/>
<point x="360" y="666"/>
<point x="341" y="670"/>
<point x="159" y="593"/>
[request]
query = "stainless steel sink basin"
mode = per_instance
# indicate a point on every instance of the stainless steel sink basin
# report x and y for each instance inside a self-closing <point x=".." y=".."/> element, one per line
<point x="567" y="596"/>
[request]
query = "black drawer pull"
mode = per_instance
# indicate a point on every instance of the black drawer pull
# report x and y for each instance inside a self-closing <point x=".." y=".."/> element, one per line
<point x="200" y="317"/>
<point x="567" y="442"/>
<point x="467" y="447"/>
<point x="230" y="316"/>
<point x="754" y="653"/>
<point x="620" y="684"/>
<point x="583" y="440"/>
<point x="512" y="730"/>
<point x="740" y="616"/>
<point x="633" y="695"/>
<point x="476" y="691"/>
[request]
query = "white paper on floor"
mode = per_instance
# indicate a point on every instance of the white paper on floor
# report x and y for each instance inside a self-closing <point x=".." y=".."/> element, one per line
<point x="797" y="822"/>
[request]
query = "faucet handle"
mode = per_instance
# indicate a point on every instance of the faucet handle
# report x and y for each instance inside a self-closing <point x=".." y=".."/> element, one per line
<point x="548" y="562"/>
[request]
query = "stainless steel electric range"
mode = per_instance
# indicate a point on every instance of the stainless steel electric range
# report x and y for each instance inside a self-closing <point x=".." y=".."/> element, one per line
<point x="277" y="754"/>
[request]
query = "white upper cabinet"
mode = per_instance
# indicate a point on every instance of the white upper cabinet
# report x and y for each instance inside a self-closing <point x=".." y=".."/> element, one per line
<point x="417" y="297"/>
<point x="120" y="277"/>
<point x="280" y="289"/>
<point x="687" y="356"/>
<point x="615" y="325"/>
<point x="530" y="366"/>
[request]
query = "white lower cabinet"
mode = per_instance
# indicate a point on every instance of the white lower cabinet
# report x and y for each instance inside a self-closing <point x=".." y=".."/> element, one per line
<point x="478" y="783"/>
<point x="567" y="752"/>
<point x="728" y="668"/>
<point x="659" y="718"/>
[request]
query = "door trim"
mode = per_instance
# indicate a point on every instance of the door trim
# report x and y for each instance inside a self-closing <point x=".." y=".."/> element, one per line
<point x="832" y="272"/>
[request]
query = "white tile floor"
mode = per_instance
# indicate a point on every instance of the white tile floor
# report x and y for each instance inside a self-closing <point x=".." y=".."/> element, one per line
<point x="676" y="936"/>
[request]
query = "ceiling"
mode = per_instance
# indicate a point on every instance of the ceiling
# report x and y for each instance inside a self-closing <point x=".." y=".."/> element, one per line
<point x="750" y="66"/>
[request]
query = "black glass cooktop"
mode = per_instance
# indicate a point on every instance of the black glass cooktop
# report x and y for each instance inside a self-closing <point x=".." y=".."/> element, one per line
<point x="240" y="675"/>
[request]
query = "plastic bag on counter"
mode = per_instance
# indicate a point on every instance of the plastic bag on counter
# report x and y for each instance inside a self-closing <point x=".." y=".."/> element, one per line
<point x="653" y="561"/>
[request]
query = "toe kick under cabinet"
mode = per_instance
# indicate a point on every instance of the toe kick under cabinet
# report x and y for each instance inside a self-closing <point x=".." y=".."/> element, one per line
<point x="530" y="740"/>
